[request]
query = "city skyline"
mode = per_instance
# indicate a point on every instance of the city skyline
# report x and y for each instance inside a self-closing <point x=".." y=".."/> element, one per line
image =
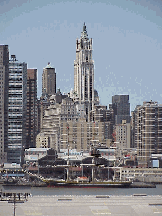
<point x="126" y="43"/>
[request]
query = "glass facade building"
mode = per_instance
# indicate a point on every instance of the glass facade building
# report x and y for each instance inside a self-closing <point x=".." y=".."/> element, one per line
<point x="17" y="102"/>
<point x="121" y="107"/>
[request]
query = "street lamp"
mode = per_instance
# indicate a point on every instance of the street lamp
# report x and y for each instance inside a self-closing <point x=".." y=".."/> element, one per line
<point x="14" y="201"/>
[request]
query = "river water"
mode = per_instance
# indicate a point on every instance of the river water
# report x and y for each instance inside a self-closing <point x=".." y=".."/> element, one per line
<point x="51" y="191"/>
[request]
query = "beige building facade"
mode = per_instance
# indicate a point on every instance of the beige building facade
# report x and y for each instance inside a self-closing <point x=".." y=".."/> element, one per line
<point x="123" y="135"/>
<point x="66" y="127"/>
<point x="42" y="141"/>
<point x="81" y="135"/>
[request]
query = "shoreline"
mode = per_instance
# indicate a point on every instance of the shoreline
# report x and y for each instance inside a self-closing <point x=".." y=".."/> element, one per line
<point x="84" y="185"/>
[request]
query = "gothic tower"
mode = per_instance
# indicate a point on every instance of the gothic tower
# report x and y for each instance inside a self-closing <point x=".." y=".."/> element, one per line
<point x="84" y="72"/>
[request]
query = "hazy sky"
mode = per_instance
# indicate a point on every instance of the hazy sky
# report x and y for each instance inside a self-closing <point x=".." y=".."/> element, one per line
<point x="127" y="42"/>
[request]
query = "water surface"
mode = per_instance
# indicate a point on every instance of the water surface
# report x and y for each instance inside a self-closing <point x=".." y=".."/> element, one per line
<point x="49" y="191"/>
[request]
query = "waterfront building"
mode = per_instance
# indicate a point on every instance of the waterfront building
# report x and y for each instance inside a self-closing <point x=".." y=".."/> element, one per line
<point x="4" y="67"/>
<point x="121" y="107"/>
<point x="34" y="154"/>
<point x="142" y="174"/>
<point x="108" y="153"/>
<point x="49" y="80"/>
<point x="17" y="104"/>
<point x="84" y="72"/>
<point x="31" y="117"/>
<point x="149" y="130"/>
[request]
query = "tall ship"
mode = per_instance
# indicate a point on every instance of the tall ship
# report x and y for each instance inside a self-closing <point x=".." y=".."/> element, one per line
<point x="91" y="175"/>
<point x="82" y="182"/>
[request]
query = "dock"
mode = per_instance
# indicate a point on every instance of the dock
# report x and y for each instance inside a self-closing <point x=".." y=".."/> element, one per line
<point x="86" y="206"/>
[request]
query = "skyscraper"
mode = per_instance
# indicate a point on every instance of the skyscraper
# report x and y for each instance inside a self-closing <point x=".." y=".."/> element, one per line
<point x="134" y="128"/>
<point x="17" y="103"/>
<point x="84" y="71"/>
<point x="4" y="62"/>
<point x="121" y="107"/>
<point x="49" y="80"/>
<point x="31" y="120"/>
<point x="148" y="137"/>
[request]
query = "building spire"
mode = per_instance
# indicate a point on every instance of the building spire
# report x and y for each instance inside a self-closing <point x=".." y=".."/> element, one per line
<point x="84" y="27"/>
<point x="84" y="32"/>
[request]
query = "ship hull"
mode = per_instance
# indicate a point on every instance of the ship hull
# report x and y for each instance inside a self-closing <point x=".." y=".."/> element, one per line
<point x="89" y="185"/>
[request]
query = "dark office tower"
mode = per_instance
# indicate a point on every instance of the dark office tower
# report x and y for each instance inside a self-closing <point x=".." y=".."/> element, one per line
<point x="84" y="72"/>
<point x="4" y="62"/>
<point x="38" y="115"/>
<point x="17" y="105"/>
<point x="121" y="107"/>
<point x="49" y="80"/>
<point x="31" y="117"/>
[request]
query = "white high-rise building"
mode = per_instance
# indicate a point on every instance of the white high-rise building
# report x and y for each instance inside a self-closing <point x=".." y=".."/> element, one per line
<point x="84" y="72"/>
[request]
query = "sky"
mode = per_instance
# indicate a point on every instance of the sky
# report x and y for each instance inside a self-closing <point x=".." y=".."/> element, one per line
<point x="127" y="42"/>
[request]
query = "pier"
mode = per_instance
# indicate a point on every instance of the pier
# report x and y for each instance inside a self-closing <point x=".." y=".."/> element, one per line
<point x="141" y="204"/>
